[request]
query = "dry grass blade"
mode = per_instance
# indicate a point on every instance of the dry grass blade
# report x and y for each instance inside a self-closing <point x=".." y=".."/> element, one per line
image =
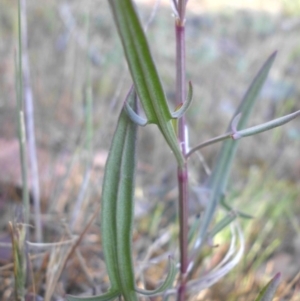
<point x="59" y="258"/>
<point x="18" y="236"/>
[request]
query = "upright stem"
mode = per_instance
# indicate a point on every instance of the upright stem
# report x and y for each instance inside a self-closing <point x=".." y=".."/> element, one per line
<point x="30" y="127"/>
<point x="182" y="173"/>
<point x="21" y="121"/>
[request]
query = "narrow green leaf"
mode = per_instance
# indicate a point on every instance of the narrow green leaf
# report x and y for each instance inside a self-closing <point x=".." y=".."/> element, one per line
<point x="136" y="118"/>
<point x="219" y="178"/>
<point x="165" y="285"/>
<point x="265" y="126"/>
<point x="222" y="168"/>
<point x="118" y="205"/>
<point x="268" y="292"/>
<point x="139" y="59"/>
<point x="248" y="101"/>
<point x="143" y="71"/>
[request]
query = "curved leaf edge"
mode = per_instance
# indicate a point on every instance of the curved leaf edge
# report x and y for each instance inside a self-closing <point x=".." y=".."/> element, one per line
<point x="180" y="112"/>
<point x="165" y="285"/>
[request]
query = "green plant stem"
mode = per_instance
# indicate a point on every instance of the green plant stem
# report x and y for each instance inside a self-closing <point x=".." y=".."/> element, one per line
<point x="208" y="142"/>
<point x="21" y="122"/>
<point x="182" y="173"/>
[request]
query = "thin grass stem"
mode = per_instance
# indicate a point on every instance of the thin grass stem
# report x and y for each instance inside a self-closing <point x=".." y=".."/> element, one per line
<point x="30" y="128"/>
<point x="182" y="172"/>
<point x="21" y="121"/>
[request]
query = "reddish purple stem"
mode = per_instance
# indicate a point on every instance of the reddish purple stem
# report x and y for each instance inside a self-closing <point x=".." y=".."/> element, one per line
<point x="182" y="173"/>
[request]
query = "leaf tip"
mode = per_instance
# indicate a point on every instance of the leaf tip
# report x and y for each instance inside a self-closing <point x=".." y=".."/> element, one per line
<point x="235" y="122"/>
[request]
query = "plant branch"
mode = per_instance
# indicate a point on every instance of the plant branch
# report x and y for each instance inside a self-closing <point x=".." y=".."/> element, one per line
<point x="238" y="134"/>
<point x="21" y="120"/>
<point x="208" y="142"/>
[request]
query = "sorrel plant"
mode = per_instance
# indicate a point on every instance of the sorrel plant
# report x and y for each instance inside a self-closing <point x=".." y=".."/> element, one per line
<point x="117" y="201"/>
<point x="118" y="184"/>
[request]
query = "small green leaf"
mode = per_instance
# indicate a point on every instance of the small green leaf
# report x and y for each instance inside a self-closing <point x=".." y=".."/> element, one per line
<point x="268" y="292"/>
<point x="265" y="126"/>
<point x="136" y="118"/>
<point x="117" y="205"/>
<point x="219" y="178"/>
<point x="220" y="173"/>
<point x="143" y="71"/>
<point x="165" y="285"/>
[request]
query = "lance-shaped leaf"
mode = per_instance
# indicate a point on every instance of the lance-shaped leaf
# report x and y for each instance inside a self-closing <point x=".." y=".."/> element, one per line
<point x="265" y="126"/>
<point x="218" y="180"/>
<point x="223" y="165"/>
<point x="117" y="210"/>
<point x="144" y="73"/>
<point x="268" y="292"/>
